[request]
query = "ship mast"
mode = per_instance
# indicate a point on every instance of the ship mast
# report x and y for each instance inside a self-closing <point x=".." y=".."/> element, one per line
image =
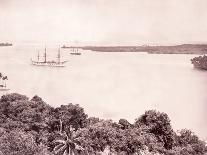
<point x="38" y="56"/>
<point x="59" y="55"/>
<point x="45" y="55"/>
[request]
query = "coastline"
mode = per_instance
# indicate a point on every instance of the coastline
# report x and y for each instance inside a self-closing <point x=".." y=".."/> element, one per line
<point x="177" y="49"/>
<point x="5" y="44"/>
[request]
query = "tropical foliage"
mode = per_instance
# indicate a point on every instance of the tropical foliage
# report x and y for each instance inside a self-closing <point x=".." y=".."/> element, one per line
<point x="200" y="62"/>
<point x="3" y="78"/>
<point x="31" y="127"/>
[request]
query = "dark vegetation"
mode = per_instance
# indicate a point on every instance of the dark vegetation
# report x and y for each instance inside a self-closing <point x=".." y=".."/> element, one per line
<point x="32" y="127"/>
<point x="200" y="62"/>
<point x="177" y="49"/>
<point x="5" y="44"/>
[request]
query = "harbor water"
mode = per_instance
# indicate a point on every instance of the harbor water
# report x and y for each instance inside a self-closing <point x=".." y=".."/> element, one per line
<point x="113" y="85"/>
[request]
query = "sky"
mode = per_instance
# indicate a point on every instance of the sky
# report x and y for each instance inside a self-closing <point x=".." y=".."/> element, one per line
<point x="104" y="22"/>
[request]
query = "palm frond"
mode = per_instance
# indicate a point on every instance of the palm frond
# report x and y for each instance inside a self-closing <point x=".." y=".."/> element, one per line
<point x="60" y="141"/>
<point x="58" y="148"/>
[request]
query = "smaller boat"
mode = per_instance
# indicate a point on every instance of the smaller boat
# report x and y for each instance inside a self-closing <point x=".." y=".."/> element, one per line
<point x="200" y="62"/>
<point x="3" y="86"/>
<point x="75" y="52"/>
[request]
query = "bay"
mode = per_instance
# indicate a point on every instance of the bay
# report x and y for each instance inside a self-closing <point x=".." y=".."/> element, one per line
<point x="113" y="85"/>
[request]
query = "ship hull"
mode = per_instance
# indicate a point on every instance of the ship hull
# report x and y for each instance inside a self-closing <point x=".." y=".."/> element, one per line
<point x="50" y="64"/>
<point x="75" y="53"/>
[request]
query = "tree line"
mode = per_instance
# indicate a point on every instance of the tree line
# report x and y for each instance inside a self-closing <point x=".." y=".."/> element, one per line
<point x="32" y="127"/>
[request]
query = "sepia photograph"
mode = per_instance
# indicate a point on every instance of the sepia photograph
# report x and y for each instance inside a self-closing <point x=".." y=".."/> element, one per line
<point x="103" y="77"/>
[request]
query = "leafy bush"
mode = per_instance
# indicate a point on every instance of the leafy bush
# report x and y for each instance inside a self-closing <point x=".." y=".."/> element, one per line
<point x="17" y="142"/>
<point x="158" y="124"/>
<point x="31" y="127"/>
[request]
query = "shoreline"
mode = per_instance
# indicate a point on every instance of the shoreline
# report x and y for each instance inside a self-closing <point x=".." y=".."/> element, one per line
<point x="199" y="49"/>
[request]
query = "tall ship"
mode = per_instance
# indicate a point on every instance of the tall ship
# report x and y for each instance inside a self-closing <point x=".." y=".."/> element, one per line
<point x="200" y="62"/>
<point x="52" y="63"/>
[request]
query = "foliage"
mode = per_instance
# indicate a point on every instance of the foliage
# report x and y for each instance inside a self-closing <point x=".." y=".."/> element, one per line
<point x="24" y="114"/>
<point x="70" y="115"/>
<point x="34" y="127"/>
<point x="200" y="62"/>
<point x="68" y="145"/>
<point x="190" y="143"/>
<point x="124" y="124"/>
<point x="98" y="136"/>
<point x="158" y="124"/>
<point x="13" y="97"/>
<point x="17" y="142"/>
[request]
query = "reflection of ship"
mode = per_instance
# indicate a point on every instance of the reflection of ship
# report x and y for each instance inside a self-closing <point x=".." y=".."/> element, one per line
<point x="51" y="63"/>
<point x="3" y="86"/>
<point x="200" y="62"/>
<point x="75" y="52"/>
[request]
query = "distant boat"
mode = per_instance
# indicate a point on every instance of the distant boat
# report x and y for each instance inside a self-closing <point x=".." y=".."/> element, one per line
<point x="3" y="86"/>
<point x="51" y="63"/>
<point x="75" y="52"/>
<point x="200" y="62"/>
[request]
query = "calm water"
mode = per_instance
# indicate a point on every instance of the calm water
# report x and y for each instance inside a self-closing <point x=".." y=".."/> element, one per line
<point x="114" y="85"/>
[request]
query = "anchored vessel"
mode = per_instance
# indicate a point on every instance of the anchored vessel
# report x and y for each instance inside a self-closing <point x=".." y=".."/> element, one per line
<point x="51" y="63"/>
<point x="200" y="62"/>
<point x="75" y="52"/>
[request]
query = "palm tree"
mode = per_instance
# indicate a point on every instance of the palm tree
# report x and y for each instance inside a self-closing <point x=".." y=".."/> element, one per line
<point x="4" y="78"/>
<point x="68" y="146"/>
<point x="0" y="79"/>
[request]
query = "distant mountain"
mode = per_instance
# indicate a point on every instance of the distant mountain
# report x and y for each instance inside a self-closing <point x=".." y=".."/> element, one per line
<point x="177" y="49"/>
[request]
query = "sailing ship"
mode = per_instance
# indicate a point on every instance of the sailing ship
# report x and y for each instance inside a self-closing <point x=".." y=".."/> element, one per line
<point x="3" y="86"/>
<point x="75" y="52"/>
<point x="46" y="62"/>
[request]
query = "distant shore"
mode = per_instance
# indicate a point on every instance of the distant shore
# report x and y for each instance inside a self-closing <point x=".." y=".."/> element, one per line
<point x="5" y="44"/>
<point x="177" y="49"/>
